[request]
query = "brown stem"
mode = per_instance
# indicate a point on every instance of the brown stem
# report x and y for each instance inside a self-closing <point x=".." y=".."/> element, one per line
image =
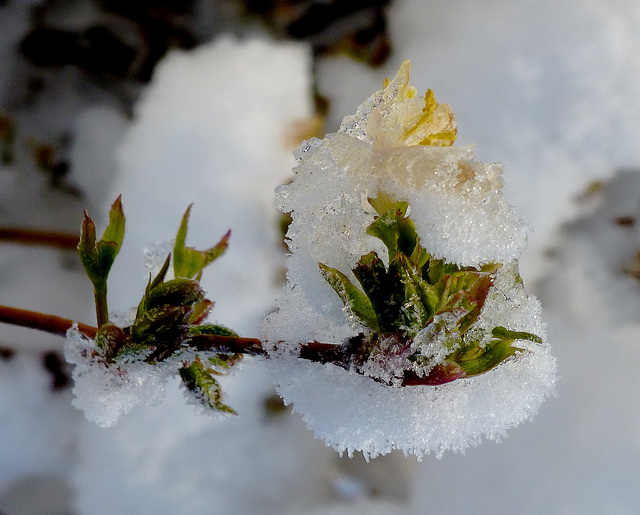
<point x="39" y="237"/>
<point x="325" y="353"/>
<point x="49" y="323"/>
<point x="235" y="344"/>
<point x="58" y="325"/>
<point x="312" y="351"/>
<point x="340" y="356"/>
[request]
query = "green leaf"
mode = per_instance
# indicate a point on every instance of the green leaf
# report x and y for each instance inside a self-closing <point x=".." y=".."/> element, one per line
<point x="109" y="246"/>
<point x="189" y="262"/>
<point x="201" y="380"/>
<point x="383" y="290"/>
<point x="475" y="297"/>
<point x="394" y="230"/>
<point x="200" y="311"/>
<point x="110" y="339"/>
<point x="382" y="203"/>
<point x="419" y="256"/>
<point x="114" y="232"/>
<point x="159" y="278"/>
<point x="87" y="249"/>
<point x="107" y="252"/>
<point x="460" y="288"/>
<point x="420" y="298"/>
<point x="478" y="360"/>
<point x="504" y="334"/>
<point x="97" y="258"/>
<point x="151" y="325"/>
<point x="225" y="361"/>
<point x="435" y="271"/>
<point x="351" y="296"/>
<point x="176" y="292"/>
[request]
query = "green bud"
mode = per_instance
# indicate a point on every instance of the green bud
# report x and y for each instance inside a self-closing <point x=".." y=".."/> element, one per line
<point x="151" y="325"/>
<point x="110" y="339"/>
<point x="97" y="258"/>
<point x="177" y="292"/>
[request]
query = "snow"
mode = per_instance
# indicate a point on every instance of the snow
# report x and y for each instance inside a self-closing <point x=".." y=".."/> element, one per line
<point x="106" y="393"/>
<point x="551" y="93"/>
<point x="46" y="448"/>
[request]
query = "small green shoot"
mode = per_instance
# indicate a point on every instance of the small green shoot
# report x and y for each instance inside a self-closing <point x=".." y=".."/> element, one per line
<point x="98" y="257"/>
<point x="170" y="313"/>
<point x="201" y="378"/>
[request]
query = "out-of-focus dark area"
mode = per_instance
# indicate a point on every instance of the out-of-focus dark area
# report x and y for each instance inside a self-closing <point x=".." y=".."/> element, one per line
<point x="109" y="48"/>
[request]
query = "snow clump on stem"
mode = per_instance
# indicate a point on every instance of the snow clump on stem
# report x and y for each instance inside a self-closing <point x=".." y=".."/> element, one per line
<point x="404" y="265"/>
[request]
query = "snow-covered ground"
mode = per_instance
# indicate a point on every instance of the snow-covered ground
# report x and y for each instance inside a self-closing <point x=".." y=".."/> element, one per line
<point x="551" y="91"/>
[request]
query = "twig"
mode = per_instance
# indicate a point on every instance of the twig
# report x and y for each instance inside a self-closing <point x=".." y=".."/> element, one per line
<point x="58" y="325"/>
<point x="50" y="323"/>
<point x="230" y="344"/>
<point x="39" y="237"/>
<point x="312" y="351"/>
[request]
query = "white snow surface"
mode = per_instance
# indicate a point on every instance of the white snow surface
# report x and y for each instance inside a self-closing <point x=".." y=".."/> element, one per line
<point x="213" y="130"/>
<point x="461" y="216"/>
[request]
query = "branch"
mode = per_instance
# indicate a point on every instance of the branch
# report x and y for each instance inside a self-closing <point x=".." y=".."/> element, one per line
<point x="228" y="344"/>
<point x="37" y="237"/>
<point x="58" y="325"/>
<point x="49" y="323"/>
<point x="342" y="356"/>
<point x="312" y="351"/>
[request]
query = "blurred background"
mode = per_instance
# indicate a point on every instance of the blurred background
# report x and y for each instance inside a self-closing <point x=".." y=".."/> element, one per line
<point x="174" y="102"/>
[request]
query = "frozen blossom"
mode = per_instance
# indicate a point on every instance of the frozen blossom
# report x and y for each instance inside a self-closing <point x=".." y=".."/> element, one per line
<point x="404" y="264"/>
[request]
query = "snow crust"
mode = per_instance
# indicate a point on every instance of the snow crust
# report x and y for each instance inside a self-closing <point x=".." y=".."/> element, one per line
<point x="460" y="215"/>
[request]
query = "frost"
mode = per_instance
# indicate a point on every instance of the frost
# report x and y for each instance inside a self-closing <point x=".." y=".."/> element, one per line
<point x="390" y="175"/>
<point x="106" y="393"/>
<point x="155" y="255"/>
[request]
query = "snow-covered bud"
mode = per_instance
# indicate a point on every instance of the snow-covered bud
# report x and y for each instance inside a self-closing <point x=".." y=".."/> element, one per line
<point x="404" y="256"/>
<point x="127" y="366"/>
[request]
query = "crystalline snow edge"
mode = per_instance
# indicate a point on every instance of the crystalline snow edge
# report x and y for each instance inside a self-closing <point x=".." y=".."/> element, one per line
<point x="417" y="420"/>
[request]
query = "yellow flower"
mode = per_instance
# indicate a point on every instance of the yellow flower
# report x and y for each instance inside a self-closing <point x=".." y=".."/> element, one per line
<point x="403" y="119"/>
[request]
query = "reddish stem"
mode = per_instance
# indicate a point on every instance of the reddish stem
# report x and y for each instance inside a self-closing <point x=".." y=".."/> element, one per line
<point x="39" y="237"/>
<point x="58" y="325"/>
<point x="49" y="323"/>
<point x="312" y="351"/>
<point x="231" y="344"/>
